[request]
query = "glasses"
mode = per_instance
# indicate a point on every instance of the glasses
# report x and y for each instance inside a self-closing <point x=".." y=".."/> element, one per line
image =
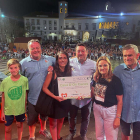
<point x="33" y="40"/>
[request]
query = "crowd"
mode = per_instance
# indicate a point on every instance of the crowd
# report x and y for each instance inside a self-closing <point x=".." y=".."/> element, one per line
<point x="115" y="94"/>
<point x="95" y="50"/>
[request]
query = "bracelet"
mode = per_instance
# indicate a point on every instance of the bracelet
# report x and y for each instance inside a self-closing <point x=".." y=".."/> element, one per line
<point x="118" y="117"/>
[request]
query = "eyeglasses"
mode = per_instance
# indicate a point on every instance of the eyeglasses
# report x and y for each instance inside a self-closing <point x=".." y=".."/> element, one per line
<point x="33" y="40"/>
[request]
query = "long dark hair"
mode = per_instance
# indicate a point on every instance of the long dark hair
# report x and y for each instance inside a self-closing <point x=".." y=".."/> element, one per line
<point x="58" y="71"/>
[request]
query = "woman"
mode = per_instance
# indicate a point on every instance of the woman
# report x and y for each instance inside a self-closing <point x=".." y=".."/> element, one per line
<point x="108" y="92"/>
<point x="61" y="106"/>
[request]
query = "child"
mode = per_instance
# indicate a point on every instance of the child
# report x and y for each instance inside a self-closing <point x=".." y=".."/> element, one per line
<point x="14" y="95"/>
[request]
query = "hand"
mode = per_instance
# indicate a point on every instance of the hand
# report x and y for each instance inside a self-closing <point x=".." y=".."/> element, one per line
<point x="60" y="99"/>
<point x="50" y="68"/>
<point x="2" y="116"/>
<point x="80" y="98"/>
<point x="116" y="123"/>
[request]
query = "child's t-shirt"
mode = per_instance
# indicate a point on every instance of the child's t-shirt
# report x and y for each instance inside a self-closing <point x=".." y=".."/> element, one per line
<point x="15" y="94"/>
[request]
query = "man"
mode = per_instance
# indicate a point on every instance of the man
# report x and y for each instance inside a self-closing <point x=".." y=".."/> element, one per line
<point x="129" y="73"/>
<point x="34" y="67"/>
<point x="80" y="66"/>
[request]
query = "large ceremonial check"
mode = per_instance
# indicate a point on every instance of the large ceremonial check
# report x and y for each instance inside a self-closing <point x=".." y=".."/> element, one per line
<point x="74" y="86"/>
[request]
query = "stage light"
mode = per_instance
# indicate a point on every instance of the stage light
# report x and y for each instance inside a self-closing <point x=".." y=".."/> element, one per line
<point x="121" y="14"/>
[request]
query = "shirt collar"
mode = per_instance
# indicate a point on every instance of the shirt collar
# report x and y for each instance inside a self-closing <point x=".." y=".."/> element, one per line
<point x="126" y="68"/>
<point x="79" y="62"/>
<point x="30" y="59"/>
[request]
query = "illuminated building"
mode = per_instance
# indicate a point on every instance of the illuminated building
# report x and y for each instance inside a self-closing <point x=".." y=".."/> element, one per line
<point x="67" y="27"/>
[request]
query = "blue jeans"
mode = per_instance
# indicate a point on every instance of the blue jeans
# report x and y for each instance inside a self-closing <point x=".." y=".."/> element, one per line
<point x="85" y="115"/>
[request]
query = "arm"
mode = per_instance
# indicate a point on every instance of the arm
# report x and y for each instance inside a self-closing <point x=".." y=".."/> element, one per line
<point x="92" y="92"/>
<point x="119" y="110"/>
<point x="47" y="91"/>
<point x="3" y="102"/>
<point x="26" y="99"/>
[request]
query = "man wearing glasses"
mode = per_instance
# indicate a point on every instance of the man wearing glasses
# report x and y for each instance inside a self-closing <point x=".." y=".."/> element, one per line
<point x="35" y="67"/>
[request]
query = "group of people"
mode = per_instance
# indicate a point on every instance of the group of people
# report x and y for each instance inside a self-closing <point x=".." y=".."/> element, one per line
<point x="95" y="50"/>
<point x="115" y="94"/>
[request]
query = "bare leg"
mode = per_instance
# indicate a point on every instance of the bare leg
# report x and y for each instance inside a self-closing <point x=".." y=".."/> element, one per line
<point x="19" y="129"/>
<point x="43" y="125"/>
<point x="59" y="126"/>
<point x="32" y="130"/>
<point x="8" y="132"/>
<point x="124" y="137"/>
<point x="53" y="128"/>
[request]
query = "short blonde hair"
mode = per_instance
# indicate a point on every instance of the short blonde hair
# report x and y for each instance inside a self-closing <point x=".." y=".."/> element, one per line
<point x="12" y="62"/>
<point x="97" y="73"/>
<point x="131" y="46"/>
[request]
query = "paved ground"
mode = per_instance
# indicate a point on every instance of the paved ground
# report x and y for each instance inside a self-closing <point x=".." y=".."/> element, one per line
<point x="65" y="128"/>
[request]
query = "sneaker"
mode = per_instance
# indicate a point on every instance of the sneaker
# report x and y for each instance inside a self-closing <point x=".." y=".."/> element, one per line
<point x="84" y="138"/>
<point x="70" y="136"/>
<point x="46" y="134"/>
<point x="31" y="138"/>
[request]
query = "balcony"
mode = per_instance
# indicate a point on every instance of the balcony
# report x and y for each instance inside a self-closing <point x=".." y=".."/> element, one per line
<point x="69" y="28"/>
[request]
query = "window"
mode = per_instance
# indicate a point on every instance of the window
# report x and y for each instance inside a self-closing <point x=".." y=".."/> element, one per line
<point x="61" y="10"/>
<point x="65" y="4"/>
<point x="65" y="10"/>
<point x="72" y="26"/>
<point x="55" y="28"/>
<point x="38" y="28"/>
<point x="86" y="26"/>
<point x="38" y="22"/>
<point x="93" y="26"/>
<point x="44" y="22"/>
<point x="33" y="27"/>
<point x="60" y="4"/>
<point x="55" y="23"/>
<point x="27" y="22"/>
<point x="67" y="25"/>
<point x="32" y="21"/>
<point x="79" y="26"/>
<point x="50" y="28"/>
<point x="50" y="22"/>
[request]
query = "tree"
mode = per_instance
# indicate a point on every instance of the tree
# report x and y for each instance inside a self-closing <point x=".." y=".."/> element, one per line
<point x="10" y="29"/>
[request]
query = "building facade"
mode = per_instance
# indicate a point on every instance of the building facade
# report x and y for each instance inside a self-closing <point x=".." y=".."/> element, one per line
<point x="66" y="27"/>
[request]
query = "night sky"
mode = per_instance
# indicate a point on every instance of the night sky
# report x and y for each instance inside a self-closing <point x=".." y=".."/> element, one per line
<point x="87" y="7"/>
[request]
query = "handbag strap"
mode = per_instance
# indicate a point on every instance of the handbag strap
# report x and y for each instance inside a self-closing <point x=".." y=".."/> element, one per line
<point x="52" y="82"/>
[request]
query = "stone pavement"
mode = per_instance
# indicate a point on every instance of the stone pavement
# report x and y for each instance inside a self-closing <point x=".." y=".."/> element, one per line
<point x="64" y="131"/>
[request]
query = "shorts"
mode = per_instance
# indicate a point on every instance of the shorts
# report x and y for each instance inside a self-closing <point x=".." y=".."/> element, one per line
<point x="10" y="118"/>
<point x="32" y="115"/>
<point x="126" y="128"/>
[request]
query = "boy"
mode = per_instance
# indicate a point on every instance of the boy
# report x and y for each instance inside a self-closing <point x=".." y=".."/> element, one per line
<point x="14" y="95"/>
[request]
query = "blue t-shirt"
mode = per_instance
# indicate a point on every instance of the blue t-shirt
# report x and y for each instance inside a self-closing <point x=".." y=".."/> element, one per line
<point x="36" y="72"/>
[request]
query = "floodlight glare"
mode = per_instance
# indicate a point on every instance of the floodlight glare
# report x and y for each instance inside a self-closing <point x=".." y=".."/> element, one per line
<point x="99" y="16"/>
<point x="121" y="14"/>
<point x="2" y="15"/>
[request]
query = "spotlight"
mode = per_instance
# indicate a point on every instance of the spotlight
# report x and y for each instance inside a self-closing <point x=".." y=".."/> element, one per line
<point x="121" y="14"/>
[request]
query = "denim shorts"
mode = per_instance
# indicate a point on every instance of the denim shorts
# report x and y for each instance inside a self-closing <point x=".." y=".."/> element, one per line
<point x="10" y="118"/>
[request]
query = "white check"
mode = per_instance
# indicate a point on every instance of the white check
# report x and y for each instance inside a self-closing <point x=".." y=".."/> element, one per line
<point x="74" y="86"/>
